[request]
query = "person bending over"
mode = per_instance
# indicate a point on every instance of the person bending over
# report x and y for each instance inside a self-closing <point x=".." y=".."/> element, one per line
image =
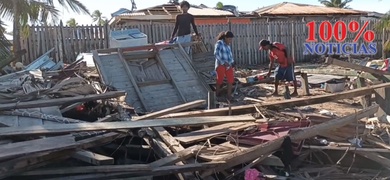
<point x="285" y="69"/>
<point x="224" y="62"/>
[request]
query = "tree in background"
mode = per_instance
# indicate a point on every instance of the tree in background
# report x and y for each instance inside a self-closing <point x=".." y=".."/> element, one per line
<point x="71" y="22"/>
<point x="4" y="43"/>
<point x="219" y="5"/>
<point x="98" y="18"/>
<point x="23" y="12"/>
<point x="336" y="3"/>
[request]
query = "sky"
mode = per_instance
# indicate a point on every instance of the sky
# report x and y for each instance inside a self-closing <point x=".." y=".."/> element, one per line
<point x="109" y="6"/>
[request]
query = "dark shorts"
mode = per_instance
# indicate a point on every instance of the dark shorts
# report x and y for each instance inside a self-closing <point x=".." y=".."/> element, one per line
<point x="285" y="73"/>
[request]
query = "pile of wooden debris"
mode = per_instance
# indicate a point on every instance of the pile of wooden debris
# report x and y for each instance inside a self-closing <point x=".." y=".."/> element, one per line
<point x="152" y="114"/>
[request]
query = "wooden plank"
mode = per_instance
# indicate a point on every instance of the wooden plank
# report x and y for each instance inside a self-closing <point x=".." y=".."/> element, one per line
<point x="93" y="158"/>
<point x="23" y="163"/>
<point x="36" y="146"/>
<point x="174" y="146"/>
<point x="178" y="108"/>
<point x="149" y="83"/>
<point x="132" y="80"/>
<point x="176" y="157"/>
<point x="365" y="100"/>
<point x="134" y="169"/>
<point x="204" y="134"/>
<point x="254" y="152"/>
<point x="60" y="101"/>
<point x="381" y="98"/>
<point x="79" y="127"/>
<point x="346" y="148"/>
<point x="174" y="83"/>
<point x="357" y="67"/>
<point x="305" y="84"/>
<point x="279" y="104"/>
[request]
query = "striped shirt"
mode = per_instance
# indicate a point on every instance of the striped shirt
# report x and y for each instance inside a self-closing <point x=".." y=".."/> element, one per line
<point x="223" y="54"/>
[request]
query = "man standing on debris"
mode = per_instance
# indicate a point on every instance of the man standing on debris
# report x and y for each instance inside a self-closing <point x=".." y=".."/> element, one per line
<point x="224" y="62"/>
<point x="285" y="69"/>
<point x="183" y="26"/>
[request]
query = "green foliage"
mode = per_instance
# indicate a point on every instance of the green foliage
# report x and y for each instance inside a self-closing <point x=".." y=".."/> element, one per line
<point x="219" y="5"/>
<point x="98" y="17"/>
<point x="336" y="3"/>
<point x="71" y="22"/>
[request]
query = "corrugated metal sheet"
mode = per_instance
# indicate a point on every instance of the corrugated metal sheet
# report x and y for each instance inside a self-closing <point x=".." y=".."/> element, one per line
<point x="287" y="8"/>
<point x="175" y="9"/>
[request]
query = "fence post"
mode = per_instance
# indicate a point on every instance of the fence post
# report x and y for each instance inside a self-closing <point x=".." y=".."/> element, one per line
<point x="229" y="24"/>
<point x="293" y="40"/>
<point x="383" y="44"/>
<point x="61" y="48"/>
<point x="151" y="38"/>
<point x="106" y="35"/>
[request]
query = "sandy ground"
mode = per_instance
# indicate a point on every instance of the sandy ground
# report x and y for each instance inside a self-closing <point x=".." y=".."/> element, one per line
<point x="263" y="92"/>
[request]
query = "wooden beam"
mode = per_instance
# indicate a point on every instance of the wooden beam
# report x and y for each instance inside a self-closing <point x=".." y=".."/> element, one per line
<point x="149" y="83"/>
<point x="134" y="55"/>
<point x="174" y="109"/>
<point x="132" y="80"/>
<point x="382" y="97"/>
<point x="176" y="157"/>
<point x="134" y="169"/>
<point x="80" y="127"/>
<point x="166" y="137"/>
<point x="167" y="73"/>
<point x="60" y="101"/>
<point x="254" y="152"/>
<point x="346" y="148"/>
<point x="354" y="66"/>
<point x="244" y="109"/>
<point x="305" y="84"/>
<point x="93" y="158"/>
<point x="23" y="163"/>
<point x="36" y="146"/>
<point x="378" y="158"/>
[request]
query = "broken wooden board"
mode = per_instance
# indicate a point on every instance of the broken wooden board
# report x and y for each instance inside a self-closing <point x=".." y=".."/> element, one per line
<point x="155" y="82"/>
<point x="356" y="67"/>
<point x="254" y="152"/>
<point x="36" y="146"/>
<point x="215" y="131"/>
<point x="93" y="158"/>
<point x="244" y="109"/>
<point x="134" y="169"/>
<point x="60" y="101"/>
<point x="23" y="163"/>
<point x="79" y="127"/>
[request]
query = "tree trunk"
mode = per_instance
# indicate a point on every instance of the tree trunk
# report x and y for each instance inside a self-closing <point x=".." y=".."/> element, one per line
<point x="16" y="31"/>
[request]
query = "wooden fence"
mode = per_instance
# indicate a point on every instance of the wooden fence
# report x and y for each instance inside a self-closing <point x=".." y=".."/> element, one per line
<point x="70" y="41"/>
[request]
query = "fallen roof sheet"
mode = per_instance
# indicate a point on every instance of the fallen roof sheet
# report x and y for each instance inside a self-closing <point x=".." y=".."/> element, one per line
<point x="153" y="80"/>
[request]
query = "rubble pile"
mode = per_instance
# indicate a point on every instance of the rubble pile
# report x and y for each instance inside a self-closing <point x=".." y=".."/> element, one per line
<point x="149" y="112"/>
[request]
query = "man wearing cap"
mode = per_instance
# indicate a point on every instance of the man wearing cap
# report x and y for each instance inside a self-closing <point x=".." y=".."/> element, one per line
<point x="285" y="70"/>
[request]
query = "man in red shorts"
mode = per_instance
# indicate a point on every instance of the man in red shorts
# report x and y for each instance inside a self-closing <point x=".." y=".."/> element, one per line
<point x="285" y="70"/>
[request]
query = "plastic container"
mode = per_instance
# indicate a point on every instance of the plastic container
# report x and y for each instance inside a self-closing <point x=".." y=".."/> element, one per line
<point x="127" y="38"/>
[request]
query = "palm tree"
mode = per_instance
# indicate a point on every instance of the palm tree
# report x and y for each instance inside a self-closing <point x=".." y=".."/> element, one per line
<point x="219" y="5"/>
<point x="336" y="3"/>
<point x="98" y="18"/>
<point x="4" y="43"/>
<point x="21" y="12"/>
<point x="71" y="22"/>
